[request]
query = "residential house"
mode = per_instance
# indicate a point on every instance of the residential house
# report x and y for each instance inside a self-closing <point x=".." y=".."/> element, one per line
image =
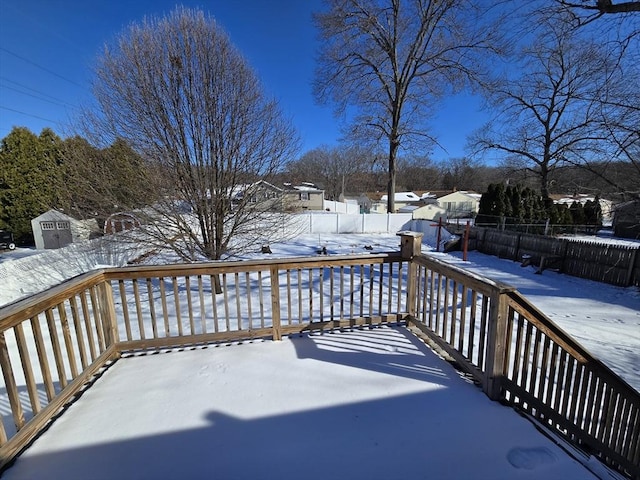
<point x="305" y="196"/>
<point x="429" y="211"/>
<point x="460" y="204"/>
<point x="606" y="206"/>
<point x="401" y="199"/>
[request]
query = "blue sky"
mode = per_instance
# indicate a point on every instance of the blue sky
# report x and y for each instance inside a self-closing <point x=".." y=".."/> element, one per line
<point x="47" y="48"/>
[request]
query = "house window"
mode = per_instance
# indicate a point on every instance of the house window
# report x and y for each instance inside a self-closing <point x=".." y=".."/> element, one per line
<point x="48" y="225"/>
<point x="63" y="225"/>
<point x="304" y="196"/>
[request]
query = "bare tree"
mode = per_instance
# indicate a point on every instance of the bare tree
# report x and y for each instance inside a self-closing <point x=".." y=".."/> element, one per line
<point x="553" y="104"/>
<point x="585" y="11"/>
<point x="391" y="59"/>
<point x="179" y="92"/>
<point x="335" y="168"/>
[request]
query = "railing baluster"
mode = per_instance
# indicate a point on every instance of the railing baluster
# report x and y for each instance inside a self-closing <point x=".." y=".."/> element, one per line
<point x="42" y="358"/>
<point x="66" y="336"/>
<point x="262" y="324"/>
<point x="225" y="296"/>
<point x="238" y="310"/>
<point x="247" y="283"/>
<point x="352" y="289"/>
<point x="176" y="305"/>
<point x="125" y="309"/>
<point x="136" y="297"/>
<point x="55" y="344"/>
<point x="299" y="281"/>
<point x="96" y="319"/>
<point x="214" y="303"/>
<point x="203" y="317"/>
<point x="331" y="294"/>
<point x="187" y="286"/>
<point x="77" y="325"/>
<point x="289" y="319"/>
<point x="165" y="312"/>
<point x="10" y="383"/>
<point x="341" y="293"/>
<point x="152" y="309"/>
<point x="27" y="369"/>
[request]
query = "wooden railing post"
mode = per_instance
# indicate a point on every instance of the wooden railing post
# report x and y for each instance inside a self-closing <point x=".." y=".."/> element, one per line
<point x="275" y="303"/>
<point x="410" y="246"/>
<point x="108" y="314"/>
<point x="496" y="361"/>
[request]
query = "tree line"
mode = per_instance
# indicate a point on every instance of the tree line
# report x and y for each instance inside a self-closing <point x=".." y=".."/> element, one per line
<point x="41" y="172"/>
<point x="520" y="205"/>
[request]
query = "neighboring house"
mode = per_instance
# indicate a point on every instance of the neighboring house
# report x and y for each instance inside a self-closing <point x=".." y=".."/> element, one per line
<point x="54" y="229"/>
<point x="626" y="220"/>
<point x="401" y="199"/>
<point x="259" y="193"/>
<point x="428" y="212"/>
<point x="460" y="204"/>
<point x="305" y="196"/>
<point x="606" y="206"/>
<point x="290" y="198"/>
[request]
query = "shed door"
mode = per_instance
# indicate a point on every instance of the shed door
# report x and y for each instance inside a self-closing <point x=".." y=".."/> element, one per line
<point x="56" y="234"/>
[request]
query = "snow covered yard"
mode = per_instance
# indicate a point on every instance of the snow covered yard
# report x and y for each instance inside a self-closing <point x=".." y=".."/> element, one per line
<point x="366" y="403"/>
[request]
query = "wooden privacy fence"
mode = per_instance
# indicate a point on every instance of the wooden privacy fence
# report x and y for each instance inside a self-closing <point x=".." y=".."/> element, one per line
<point x="53" y="344"/>
<point x="614" y="264"/>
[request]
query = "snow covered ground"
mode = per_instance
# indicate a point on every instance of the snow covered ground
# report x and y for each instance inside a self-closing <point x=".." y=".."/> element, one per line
<point x="362" y="404"/>
<point x="359" y="370"/>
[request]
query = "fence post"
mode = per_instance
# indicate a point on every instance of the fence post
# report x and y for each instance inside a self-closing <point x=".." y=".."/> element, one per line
<point x="108" y="313"/>
<point x="410" y="246"/>
<point x="496" y="363"/>
<point x="275" y="304"/>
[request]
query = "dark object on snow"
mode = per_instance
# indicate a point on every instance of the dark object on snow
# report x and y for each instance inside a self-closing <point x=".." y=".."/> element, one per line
<point x="322" y="251"/>
<point x="368" y="247"/>
<point x="6" y="240"/>
<point x="266" y="249"/>
<point x="452" y="245"/>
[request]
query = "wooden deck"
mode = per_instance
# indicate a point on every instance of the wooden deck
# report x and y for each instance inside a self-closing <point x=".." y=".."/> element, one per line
<point x="359" y="404"/>
<point x="54" y="343"/>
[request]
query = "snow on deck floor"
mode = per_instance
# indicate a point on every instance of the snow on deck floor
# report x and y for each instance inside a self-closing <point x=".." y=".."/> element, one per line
<point x="362" y="404"/>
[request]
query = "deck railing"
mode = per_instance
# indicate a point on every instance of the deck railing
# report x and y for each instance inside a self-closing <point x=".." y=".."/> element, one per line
<point x="53" y="344"/>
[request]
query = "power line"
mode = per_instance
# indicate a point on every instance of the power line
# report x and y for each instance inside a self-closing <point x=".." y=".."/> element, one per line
<point x="29" y="115"/>
<point x="40" y="67"/>
<point x="38" y="97"/>
<point x="39" y="92"/>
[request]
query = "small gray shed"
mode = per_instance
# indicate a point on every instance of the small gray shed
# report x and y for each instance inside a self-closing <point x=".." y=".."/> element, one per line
<point x="54" y="229"/>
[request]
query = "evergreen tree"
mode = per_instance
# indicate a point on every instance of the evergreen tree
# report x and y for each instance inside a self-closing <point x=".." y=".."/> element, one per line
<point x="593" y="213"/>
<point x="29" y="179"/>
<point x="577" y="213"/>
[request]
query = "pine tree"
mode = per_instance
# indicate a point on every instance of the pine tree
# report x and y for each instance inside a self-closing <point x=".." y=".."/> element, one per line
<point x="29" y="179"/>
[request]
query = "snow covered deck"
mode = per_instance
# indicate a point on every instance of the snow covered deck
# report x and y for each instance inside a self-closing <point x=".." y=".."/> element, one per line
<point x="362" y="403"/>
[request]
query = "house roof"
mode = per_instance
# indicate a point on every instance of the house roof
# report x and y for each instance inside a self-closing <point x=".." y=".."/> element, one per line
<point x="53" y="215"/>
<point x="402" y="197"/>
